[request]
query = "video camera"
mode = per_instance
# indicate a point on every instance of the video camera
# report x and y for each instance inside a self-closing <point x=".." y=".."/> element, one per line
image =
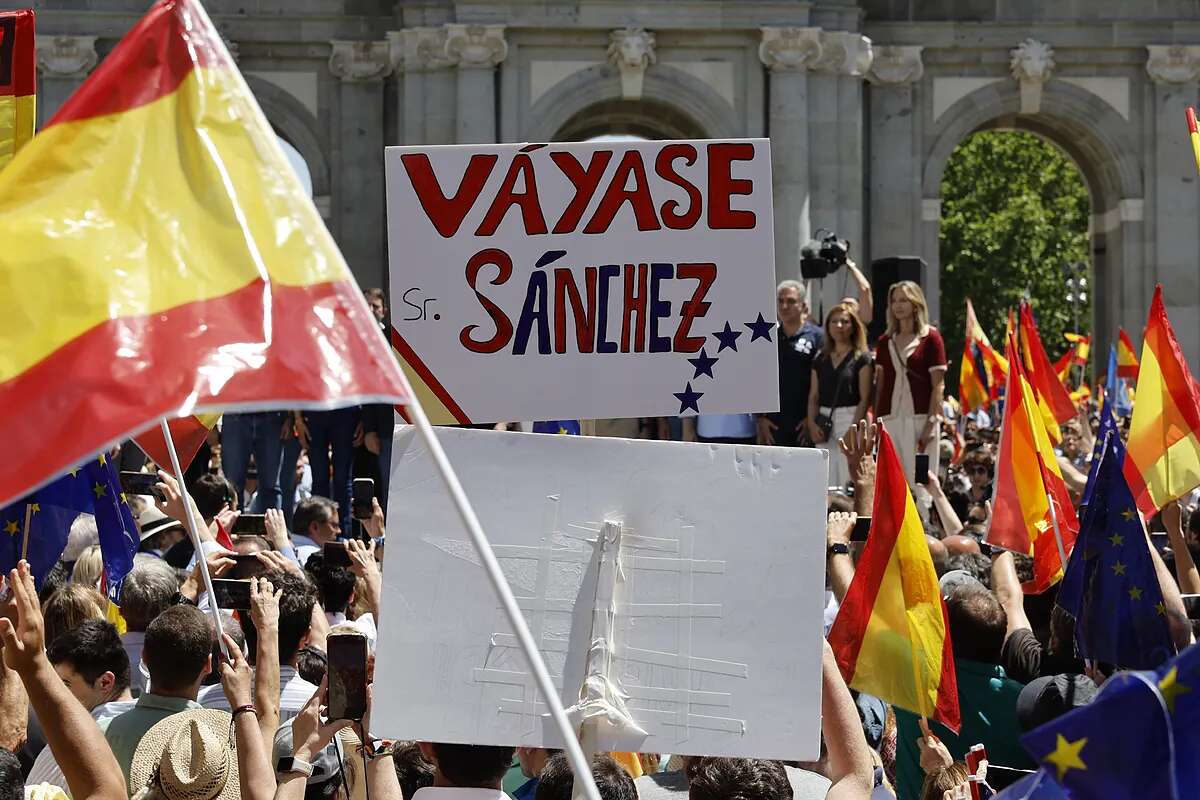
<point x="822" y="257"/>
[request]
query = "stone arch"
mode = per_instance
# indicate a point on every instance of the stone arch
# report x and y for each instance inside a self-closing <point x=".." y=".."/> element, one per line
<point x="673" y="105"/>
<point x="1096" y="138"/>
<point x="295" y="123"/>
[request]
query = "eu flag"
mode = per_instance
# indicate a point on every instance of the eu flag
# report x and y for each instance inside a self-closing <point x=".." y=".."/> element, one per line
<point x="1036" y="786"/>
<point x="92" y="488"/>
<point x="1135" y="741"/>
<point x="1110" y="585"/>
<point x="1108" y="425"/>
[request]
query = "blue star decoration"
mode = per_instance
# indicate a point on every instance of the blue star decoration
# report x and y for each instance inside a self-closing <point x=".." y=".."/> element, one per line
<point x="760" y="328"/>
<point x="688" y="399"/>
<point x="703" y="364"/>
<point x="728" y="338"/>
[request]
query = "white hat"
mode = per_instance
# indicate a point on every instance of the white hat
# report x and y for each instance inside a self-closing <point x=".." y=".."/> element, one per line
<point x="187" y="756"/>
<point x="152" y="521"/>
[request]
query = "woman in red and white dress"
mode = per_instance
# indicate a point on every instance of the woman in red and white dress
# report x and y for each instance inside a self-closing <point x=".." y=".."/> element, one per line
<point x="910" y="377"/>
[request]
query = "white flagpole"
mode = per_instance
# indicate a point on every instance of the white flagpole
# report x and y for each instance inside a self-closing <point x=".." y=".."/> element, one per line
<point x="193" y="531"/>
<point x="579" y="762"/>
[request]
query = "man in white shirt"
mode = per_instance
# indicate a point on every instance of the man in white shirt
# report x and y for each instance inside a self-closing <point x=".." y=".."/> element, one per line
<point x="465" y="771"/>
<point x="146" y="593"/>
<point x="314" y="522"/>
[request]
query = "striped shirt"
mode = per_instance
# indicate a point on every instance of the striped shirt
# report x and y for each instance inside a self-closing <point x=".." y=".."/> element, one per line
<point x="294" y="692"/>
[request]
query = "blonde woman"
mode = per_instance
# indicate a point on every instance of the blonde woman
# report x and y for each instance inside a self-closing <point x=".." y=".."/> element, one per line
<point x="89" y="567"/>
<point x="910" y="377"/>
<point x="840" y="390"/>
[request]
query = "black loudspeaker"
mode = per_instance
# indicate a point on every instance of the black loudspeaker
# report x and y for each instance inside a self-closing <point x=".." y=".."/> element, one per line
<point x="884" y="273"/>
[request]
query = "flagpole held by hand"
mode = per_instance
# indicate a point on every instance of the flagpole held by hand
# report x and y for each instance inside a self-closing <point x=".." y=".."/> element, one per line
<point x="25" y="535"/>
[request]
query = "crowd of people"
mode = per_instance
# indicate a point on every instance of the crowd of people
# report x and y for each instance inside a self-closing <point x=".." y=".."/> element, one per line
<point x="164" y="702"/>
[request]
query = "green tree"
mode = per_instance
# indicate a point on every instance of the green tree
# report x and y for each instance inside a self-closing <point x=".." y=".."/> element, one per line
<point x="1014" y="212"/>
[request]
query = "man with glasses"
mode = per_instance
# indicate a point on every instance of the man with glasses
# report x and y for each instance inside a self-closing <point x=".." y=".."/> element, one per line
<point x="314" y="522"/>
<point x="799" y="343"/>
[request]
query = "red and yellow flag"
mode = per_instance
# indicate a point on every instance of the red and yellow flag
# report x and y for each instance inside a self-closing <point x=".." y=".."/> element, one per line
<point x="891" y="636"/>
<point x="188" y="433"/>
<point x="1162" y="460"/>
<point x="161" y="259"/>
<point x="1193" y="134"/>
<point x="1127" y="362"/>
<point x="1028" y="481"/>
<point x="982" y="370"/>
<point x="18" y="82"/>
<point x="1053" y="399"/>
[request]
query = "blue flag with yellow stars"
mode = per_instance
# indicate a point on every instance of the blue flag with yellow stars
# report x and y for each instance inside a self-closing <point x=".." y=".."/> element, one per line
<point x="562" y="427"/>
<point x="1110" y="585"/>
<point x="93" y="488"/>
<point x="1036" y="786"/>
<point x="1108" y="424"/>
<point x="1136" y="741"/>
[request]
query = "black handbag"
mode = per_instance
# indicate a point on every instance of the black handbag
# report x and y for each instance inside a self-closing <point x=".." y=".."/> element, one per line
<point x="824" y="422"/>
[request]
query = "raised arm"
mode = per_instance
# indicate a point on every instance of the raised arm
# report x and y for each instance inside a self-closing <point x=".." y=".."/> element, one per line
<point x="858" y="448"/>
<point x="364" y="565"/>
<point x="1177" y="619"/>
<point x="840" y="564"/>
<point x="264" y="612"/>
<point x="951" y="524"/>
<point x="309" y="737"/>
<point x="1185" y="566"/>
<point x="1007" y="587"/>
<point x="866" y="301"/>
<point x="74" y="739"/>
<point x="255" y="773"/>
<point x="850" y="766"/>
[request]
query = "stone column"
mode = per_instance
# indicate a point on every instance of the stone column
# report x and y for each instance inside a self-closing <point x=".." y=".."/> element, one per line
<point x="894" y="191"/>
<point x="1175" y="70"/>
<point x="426" y="90"/>
<point x="358" y="190"/>
<point x="476" y="50"/>
<point x="64" y="61"/>
<point x="789" y="53"/>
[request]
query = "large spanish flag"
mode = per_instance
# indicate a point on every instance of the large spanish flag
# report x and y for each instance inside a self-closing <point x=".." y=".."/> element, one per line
<point x="1028" y="481"/>
<point x="1162" y="460"/>
<point x="1127" y="362"/>
<point x="1053" y="398"/>
<point x="161" y="259"/>
<point x="891" y="636"/>
<point x="18" y="82"/>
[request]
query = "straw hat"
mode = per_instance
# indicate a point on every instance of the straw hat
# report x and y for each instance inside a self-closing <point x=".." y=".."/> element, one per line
<point x="187" y="756"/>
<point x="152" y="521"/>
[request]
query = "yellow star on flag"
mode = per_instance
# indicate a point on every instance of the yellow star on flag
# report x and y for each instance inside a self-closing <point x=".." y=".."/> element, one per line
<point x="1161" y="608"/>
<point x="1128" y="514"/>
<point x="35" y="508"/>
<point x="124" y="499"/>
<point x="99" y="489"/>
<point x="12" y="527"/>
<point x="562" y="431"/>
<point x="1066" y="755"/>
<point x="1118" y="568"/>
<point x="74" y="472"/>
<point x="103" y="460"/>
<point x="1117" y="539"/>
<point x="1171" y="688"/>
<point x="1135" y="593"/>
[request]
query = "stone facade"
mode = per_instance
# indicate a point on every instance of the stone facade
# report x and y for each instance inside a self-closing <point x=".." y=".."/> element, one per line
<point x="863" y="101"/>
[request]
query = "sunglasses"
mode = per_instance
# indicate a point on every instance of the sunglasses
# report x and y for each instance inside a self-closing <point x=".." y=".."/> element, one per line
<point x="978" y="470"/>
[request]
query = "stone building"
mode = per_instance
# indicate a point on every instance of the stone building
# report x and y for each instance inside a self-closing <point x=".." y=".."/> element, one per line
<point x="864" y="101"/>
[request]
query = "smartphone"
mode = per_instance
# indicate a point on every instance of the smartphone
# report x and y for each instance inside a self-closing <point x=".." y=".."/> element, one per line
<point x="347" y="670"/>
<point x="1191" y="603"/>
<point x="249" y="524"/>
<point x="862" y="527"/>
<point x="335" y="554"/>
<point x="362" y="506"/>
<point x="247" y="566"/>
<point x="233" y="595"/>
<point x="140" y="483"/>
<point x="921" y="475"/>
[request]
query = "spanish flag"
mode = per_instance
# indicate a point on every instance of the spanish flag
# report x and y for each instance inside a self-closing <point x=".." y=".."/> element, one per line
<point x="188" y="433"/>
<point x="1053" y="399"/>
<point x="1081" y="349"/>
<point x="1127" y="362"/>
<point x="161" y="259"/>
<point x="1028" y="481"/>
<point x="982" y="370"/>
<point x="1162" y="461"/>
<point x="891" y="636"/>
<point x="18" y="82"/>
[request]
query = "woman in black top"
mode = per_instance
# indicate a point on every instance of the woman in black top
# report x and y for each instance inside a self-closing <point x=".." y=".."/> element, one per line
<point x="841" y="385"/>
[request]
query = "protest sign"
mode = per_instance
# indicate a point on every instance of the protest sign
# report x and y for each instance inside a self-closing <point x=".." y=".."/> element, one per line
<point x="703" y="601"/>
<point x="581" y="280"/>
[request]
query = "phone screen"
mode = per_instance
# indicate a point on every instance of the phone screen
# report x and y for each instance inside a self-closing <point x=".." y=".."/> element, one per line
<point x="247" y="566"/>
<point x="347" y="655"/>
<point x="364" y="492"/>
<point x="140" y="483"/>
<point x="335" y="554"/>
<point x="252" y="524"/>
<point x="233" y="595"/>
<point x="921" y="472"/>
<point x="862" y="527"/>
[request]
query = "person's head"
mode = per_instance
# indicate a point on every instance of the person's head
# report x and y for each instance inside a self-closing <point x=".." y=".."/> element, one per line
<point x="977" y="622"/>
<point x="69" y="607"/>
<point x="533" y="760"/>
<point x="938" y="782"/>
<point x="557" y="781"/>
<point x="937" y="552"/>
<point x="213" y="678"/>
<point x="317" y="518"/>
<point x="147" y="591"/>
<point x="843" y="327"/>
<point x="296" y="601"/>
<point x="791" y="300"/>
<point x="158" y="531"/>
<point x="88" y="567"/>
<point x="12" y="783"/>
<point x="1047" y="698"/>
<point x="212" y="494"/>
<point x="467" y="766"/>
<point x="979" y="467"/>
<point x="92" y="662"/>
<point x="742" y="778"/>
<point x="377" y="302"/>
<point x="958" y="544"/>
<point x="413" y="772"/>
<point x="249" y="545"/>
<point x="335" y="584"/>
<point x="83" y="535"/>
<point x="311" y="665"/>
<point x="178" y="650"/>
<point x="907" y="308"/>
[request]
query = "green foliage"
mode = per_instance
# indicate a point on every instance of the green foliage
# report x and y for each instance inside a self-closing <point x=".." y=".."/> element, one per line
<point x="1014" y="211"/>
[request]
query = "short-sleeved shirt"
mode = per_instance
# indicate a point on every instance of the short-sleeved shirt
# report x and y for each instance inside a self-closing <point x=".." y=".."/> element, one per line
<point x="837" y="385"/>
<point x="929" y="355"/>
<point x="1024" y="658"/>
<point x="796" y="356"/>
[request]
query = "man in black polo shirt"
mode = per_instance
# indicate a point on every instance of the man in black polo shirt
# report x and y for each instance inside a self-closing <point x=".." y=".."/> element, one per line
<point x="799" y="343"/>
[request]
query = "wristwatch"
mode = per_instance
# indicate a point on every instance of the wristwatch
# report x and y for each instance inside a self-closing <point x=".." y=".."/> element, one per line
<point x="288" y="764"/>
<point x="839" y="549"/>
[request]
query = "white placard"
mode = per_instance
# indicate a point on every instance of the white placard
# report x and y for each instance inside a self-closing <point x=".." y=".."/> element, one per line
<point x="717" y="624"/>
<point x="584" y="280"/>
